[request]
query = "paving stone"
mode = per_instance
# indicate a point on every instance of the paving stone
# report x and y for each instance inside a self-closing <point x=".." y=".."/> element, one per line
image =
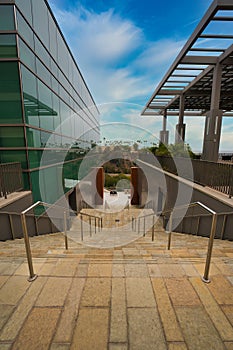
<point x="221" y="289"/>
<point x="213" y="269"/>
<point x="23" y="268"/>
<point x="96" y="292"/>
<point x="198" y="329"/>
<point x="38" y="329"/>
<point x="100" y="270"/>
<point x="82" y="270"/>
<point x="229" y="345"/>
<point x="145" y="330"/>
<point x="167" y="314"/>
<point x="136" y="270"/>
<point x="228" y="311"/>
<point x="9" y="294"/>
<point x="118" y="270"/>
<point x="56" y="346"/>
<point x="215" y="313"/>
<point x="226" y="269"/>
<point x="5" y="346"/>
<point x="3" y="280"/>
<point x="5" y="312"/>
<point x="139" y="292"/>
<point x="19" y="315"/>
<point x="65" y="268"/>
<point x="54" y="292"/>
<point x="230" y="278"/>
<point x="118" y="325"/>
<point x="171" y="270"/>
<point x="70" y="312"/>
<point x="118" y="346"/>
<point x="91" y="331"/>
<point x="8" y="268"/>
<point x="47" y="267"/>
<point x="190" y="270"/>
<point x="181" y="292"/>
<point x="177" y="346"/>
<point x="154" y="270"/>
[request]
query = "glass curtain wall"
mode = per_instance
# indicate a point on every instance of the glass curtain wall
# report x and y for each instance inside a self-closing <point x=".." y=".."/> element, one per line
<point x="48" y="117"/>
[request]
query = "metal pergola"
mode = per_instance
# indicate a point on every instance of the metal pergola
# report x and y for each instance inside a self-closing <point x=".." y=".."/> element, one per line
<point x="187" y="88"/>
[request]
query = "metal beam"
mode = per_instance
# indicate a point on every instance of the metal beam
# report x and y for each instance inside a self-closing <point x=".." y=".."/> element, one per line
<point x="203" y="60"/>
<point x="199" y="29"/>
<point x="207" y="49"/>
<point x="216" y="36"/>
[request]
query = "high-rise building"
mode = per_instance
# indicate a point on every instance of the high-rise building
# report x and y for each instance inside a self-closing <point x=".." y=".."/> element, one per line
<point x="48" y="118"/>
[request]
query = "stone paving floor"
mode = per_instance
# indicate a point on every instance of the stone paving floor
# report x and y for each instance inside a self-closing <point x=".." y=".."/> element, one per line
<point x="138" y="297"/>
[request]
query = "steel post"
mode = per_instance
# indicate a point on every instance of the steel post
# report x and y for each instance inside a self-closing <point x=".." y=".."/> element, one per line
<point x="205" y="278"/>
<point x="32" y="276"/>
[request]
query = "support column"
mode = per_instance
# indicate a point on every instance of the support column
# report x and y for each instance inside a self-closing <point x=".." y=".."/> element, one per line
<point x="134" y="186"/>
<point x="180" y="127"/>
<point x="97" y="179"/>
<point x="164" y="134"/>
<point x="213" y="122"/>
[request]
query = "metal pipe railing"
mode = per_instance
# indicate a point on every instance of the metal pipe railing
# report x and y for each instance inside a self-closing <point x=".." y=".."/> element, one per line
<point x="10" y="178"/>
<point x="205" y="277"/>
<point x="32" y="275"/>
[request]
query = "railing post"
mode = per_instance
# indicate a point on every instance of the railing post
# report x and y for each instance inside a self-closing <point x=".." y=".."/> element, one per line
<point x="90" y="226"/>
<point x="32" y="276"/>
<point x="144" y="227"/>
<point x="205" y="278"/>
<point x="65" y="230"/>
<point x="153" y="228"/>
<point x="132" y="223"/>
<point x="138" y="225"/>
<point x="81" y="227"/>
<point x="95" y="225"/>
<point x="170" y="232"/>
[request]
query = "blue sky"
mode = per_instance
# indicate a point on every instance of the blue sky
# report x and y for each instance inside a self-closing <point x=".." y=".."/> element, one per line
<point x="123" y="49"/>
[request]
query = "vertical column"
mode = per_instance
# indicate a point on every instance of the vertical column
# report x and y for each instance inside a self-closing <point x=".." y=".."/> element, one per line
<point x="164" y="134"/>
<point x="180" y="127"/>
<point x="134" y="186"/>
<point x="213" y="122"/>
<point x="95" y="193"/>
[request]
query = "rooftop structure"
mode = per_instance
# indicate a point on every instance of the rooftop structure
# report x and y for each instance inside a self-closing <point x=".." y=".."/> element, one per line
<point x="200" y="80"/>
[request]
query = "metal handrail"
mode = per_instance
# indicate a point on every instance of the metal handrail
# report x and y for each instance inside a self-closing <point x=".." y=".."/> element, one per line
<point x="205" y="277"/>
<point x="32" y="275"/>
<point x="96" y="217"/>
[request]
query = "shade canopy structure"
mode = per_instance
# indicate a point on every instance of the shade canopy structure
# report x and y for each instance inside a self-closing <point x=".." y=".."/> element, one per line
<point x="193" y="76"/>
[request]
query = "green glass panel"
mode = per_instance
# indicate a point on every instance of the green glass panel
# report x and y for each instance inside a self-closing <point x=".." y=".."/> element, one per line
<point x="47" y="184"/>
<point x="11" y="137"/>
<point x="40" y="139"/>
<point x="46" y="111"/>
<point x="7" y="46"/>
<point x="10" y="98"/>
<point x="14" y="156"/>
<point x="24" y="30"/>
<point x="27" y="56"/>
<point x="34" y="158"/>
<point x="7" y="17"/>
<point x="26" y="8"/>
<point x="31" y="104"/>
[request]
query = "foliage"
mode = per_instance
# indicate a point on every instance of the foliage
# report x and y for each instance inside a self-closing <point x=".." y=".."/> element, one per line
<point x="173" y="150"/>
<point x="112" y="180"/>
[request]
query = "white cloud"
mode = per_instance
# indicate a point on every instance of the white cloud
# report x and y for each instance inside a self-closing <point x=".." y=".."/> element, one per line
<point x="159" y="53"/>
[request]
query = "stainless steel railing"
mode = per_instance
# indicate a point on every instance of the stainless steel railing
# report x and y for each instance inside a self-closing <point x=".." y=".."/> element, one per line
<point x="136" y="221"/>
<point x="32" y="275"/>
<point x="10" y="178"/>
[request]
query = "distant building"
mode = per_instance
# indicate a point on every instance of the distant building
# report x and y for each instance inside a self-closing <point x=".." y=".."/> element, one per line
<point x="45" y="104"/>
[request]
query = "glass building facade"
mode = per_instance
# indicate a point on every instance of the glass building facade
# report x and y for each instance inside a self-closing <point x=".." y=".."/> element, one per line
<point x="48" y="118"/>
